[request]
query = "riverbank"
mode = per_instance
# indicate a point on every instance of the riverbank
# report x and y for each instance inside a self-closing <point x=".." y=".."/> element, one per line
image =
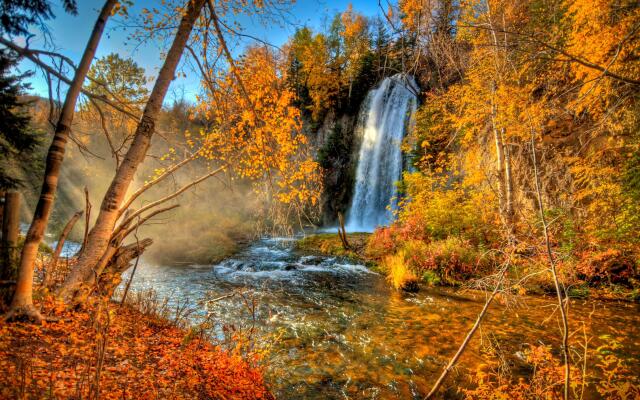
<point x="330" y="244"/>
<point x="114" y="352"/>
<point x="455" y="263"/>
<point x="327" y="328"/>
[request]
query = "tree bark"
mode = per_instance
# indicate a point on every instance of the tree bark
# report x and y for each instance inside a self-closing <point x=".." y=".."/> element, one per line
<point x="22" y="304"/>
<point x="56" y="254"/>
<point x="120" y="262"/>
<point x="10" y="233"/>
<point x="342" y="232"/>
<point x="508" y="184"/>
<point x="2" y="194"/>
<point x="497" y="137"/>
<point x="87" y="219"/>
<point x="100" y="235"/>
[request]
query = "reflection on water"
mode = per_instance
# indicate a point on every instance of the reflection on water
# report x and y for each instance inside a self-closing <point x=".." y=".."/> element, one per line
<point x="342" y="333"/>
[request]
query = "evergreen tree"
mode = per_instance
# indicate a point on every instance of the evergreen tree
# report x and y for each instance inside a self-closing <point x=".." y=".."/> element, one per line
<point x="17" y="15"/>
<point x="17" y="140"/>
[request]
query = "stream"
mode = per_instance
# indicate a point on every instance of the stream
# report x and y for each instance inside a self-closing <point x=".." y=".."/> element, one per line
<point x="331" y="329"/>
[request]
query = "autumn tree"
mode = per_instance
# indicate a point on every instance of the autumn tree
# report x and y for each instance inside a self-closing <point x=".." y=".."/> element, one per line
<point x="101" y="246"/>
<point x="120" y="81"/>
<point x="356" y="43"/>
<point x="258" y="131"/>
<point x="310" y="56"/>
<point x="22" y="303"/>
<point x="326" y="68"/>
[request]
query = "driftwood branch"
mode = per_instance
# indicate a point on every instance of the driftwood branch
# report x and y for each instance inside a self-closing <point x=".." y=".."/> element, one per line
<point x="119" y="263"/>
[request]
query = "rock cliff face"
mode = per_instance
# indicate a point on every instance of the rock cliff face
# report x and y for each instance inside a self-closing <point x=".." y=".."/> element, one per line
<point x="383" y="115"/>
<point x="337" y="144"/>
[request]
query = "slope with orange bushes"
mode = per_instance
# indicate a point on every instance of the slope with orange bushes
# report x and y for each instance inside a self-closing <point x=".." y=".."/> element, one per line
<point x="109" y="352"/>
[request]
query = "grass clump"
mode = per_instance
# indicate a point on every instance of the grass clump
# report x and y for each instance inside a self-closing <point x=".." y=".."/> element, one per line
<point x="398" y="272"/>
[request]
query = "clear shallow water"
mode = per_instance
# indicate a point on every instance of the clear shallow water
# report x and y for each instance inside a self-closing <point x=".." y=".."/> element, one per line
<point x="337" y="331"/>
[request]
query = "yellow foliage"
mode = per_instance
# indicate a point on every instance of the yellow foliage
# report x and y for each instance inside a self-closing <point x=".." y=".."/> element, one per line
<point x="398" y="273"/>
<point x="258" y="133"/>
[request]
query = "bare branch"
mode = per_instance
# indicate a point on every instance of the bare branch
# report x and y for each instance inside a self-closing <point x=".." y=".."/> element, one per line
<point x="31" y="55"/>
<point x="156" y="203"/>
<point x="467" y="339"/>
<point x="157" y="180"/>
<point x="141" y="221"/>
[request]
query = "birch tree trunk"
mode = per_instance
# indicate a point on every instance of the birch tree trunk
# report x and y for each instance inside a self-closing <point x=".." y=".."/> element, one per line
<point x="22" y="304"/>
<point x="497" y="137"/>
<point x="508" y="184"/>
<point x="100" y="235"/>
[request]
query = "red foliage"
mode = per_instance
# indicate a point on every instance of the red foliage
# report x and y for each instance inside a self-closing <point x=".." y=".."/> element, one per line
<point x="143" y="359"/>
<point x="387" y="240"/>
<point x="610" y="266"/>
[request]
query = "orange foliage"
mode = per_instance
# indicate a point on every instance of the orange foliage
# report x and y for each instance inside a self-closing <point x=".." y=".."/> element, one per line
<point x="610" y="374"/>
<point x="144" y="358"/>
<point x="545" y="383"/>
<point x="258" y="132"/>
<point x="610" y="266"/>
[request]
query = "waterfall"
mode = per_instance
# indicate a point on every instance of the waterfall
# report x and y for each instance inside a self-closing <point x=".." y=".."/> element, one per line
<point x="384" y="117"/>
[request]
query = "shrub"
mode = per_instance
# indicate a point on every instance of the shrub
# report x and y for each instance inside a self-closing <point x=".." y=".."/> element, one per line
<point x="431" y="278"/>
<point x="544" y="383"/>
<point x="611" y="266"/>
<point x="445" y="261"/>
<point x="438" y="209"/>
<point x="611" y="376"/>
<point x="398" y="273"/>
<point x="383" y="241"/>
<point x="452" y="259"/>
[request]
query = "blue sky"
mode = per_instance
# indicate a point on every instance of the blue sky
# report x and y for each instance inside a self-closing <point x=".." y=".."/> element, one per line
<point x="69" y="34"/>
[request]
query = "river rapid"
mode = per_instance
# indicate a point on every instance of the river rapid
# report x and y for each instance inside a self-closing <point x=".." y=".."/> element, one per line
<point x="331" y="329"/>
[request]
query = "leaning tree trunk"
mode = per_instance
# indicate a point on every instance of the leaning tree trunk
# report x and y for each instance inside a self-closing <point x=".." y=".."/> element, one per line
<point x="22" y="304"/>
<point x="98" y="242"/>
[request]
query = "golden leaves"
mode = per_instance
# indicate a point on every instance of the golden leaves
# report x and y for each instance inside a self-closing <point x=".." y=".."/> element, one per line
<point x="259" y="132"/>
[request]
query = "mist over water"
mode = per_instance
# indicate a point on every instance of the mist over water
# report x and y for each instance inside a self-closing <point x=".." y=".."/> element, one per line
<point x="383" y="121"/>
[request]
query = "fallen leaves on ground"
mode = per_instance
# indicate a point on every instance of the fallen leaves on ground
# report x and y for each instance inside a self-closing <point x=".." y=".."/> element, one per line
<point x="118" y="353"/>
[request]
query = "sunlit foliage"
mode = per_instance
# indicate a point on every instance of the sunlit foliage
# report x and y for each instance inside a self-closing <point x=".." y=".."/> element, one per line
<point x="557" y="76"/>
<point x="258" y="133"/>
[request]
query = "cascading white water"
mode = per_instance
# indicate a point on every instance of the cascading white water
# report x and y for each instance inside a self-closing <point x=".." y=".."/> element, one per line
<point x="383" y="120"/>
